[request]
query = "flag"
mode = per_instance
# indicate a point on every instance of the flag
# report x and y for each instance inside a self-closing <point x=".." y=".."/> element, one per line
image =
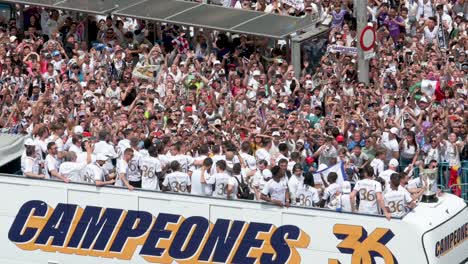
<point x="429" y="88"/>
<point x="338" y="168"/>
<point x="455" y="179"/>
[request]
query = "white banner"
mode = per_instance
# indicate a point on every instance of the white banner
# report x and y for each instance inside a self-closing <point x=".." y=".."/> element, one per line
<point x="297" y="4"/>
<point x="342" y="49"/>
<point x="338" y="168"/>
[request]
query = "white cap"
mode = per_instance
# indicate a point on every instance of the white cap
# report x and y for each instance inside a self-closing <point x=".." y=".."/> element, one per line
<point x="394" y="130"/>
<point x="256" y="73"/>
<point x="78" y="130"/>
<point x="393" y="163"/>
<point x="216" y="62"/>
<point x="29" y="142"/>
<point x="282" y="105"/>
<point x="98" y="91"/>
<point x="276" y="133"/>
<point x="102" y="157"/>
<point x="322" y="167"/>
<point x="423" y="99"/>
<point x="13" y="38"/>
<point x="309" y="83"/>
<point x="267" y="174"/>
<point x="300" y="141"/>
<point x="346" y="187"/>
<point x="217" y="122"/>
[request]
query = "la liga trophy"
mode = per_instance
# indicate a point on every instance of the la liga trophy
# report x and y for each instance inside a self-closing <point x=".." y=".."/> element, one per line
<point x="429" y="179"/>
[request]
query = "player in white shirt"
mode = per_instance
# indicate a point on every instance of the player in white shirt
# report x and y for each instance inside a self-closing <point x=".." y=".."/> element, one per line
<point x="56" y="137"/>
<point x="370" y="194"/>
<point x="276" y="189"/>
<point x="105" y="148"/>
<point x="76" y="145"/>
<point x="71" y="168"/>
<point x="263" y="152"/>
<point x="203" y="152"/>
<point x="199" y="176"/>
<point x="283" y="152"/>
<point x="134" y="171"/>
<point x="177" y="181"/>
<point x="124" y="144"/>
<point x="307" y="195"/>
<point x="296" y="181"/>
<point x="259" y="179"/>
<point x="221" y="181"/>
<point x="185" y="161"/>
<point x="95" y="173"/>
<point x="77" y="130"/>
<point x="392" y="168"/>
<point x="344" y="201"/>
<point x="250" y="160"/>
<point x="377" y="164"/>
<point x="397" y="199"/>
<point x="122" y="169"/>
<point x="30" y="166"/>
<point x="331" y="192"/>
<point x="150" y="167"/>
<point x="52" y="163"/>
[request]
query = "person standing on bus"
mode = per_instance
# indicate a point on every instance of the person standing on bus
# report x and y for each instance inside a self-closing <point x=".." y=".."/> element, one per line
<point x="307" y="195"/>
<point x="276" y="189"/>
<point x="221" y="180"/>
<point x="397" y="198"/>
<point x="122" y="169"/>
<point x="177" y="181"/>
<point x="370" y="195"/>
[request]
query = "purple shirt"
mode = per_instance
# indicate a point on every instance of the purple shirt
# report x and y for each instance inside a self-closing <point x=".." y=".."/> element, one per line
<point x="393" y="27"/>
<point x="338" y="18"/>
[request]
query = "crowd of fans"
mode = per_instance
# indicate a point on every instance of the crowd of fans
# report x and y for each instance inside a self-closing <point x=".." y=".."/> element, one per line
<point x="117" y="101"/>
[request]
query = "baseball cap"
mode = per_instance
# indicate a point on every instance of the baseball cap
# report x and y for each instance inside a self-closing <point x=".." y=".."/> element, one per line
<point x="217" y="122"/>
<point x="102" y="157"/>
<point x="13" y="38"/>
<point x="346" y="187"/>
<point x="216" y="62"/>
<point x="394" y="130"/>
<point x="267" y="174"/>
<point x="29" y="142"/>
<point x="276" y="134"/>
<point x="56" y="53"/>
<point x="309" y="160"/>
<point x="339" y="138"/>
<point x="393" y="163"/>
<point x="78" y="130"/>
<point x="308" y="84"/>
<point x="300" y="141"/>
<point x="282" y="105"/>
<point x="423" y="99"/>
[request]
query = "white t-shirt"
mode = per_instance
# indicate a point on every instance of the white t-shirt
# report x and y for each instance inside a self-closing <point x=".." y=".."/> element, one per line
<point x="76" y="149"/>
<point x="149" y="167"/>
<point x="177" y="182"/>
<point x="330" y="194"/>
<point x="185" y="161"/>
<point x="133" y="172"/>
<point x="30" y="164"/>
<point x="122" y="146"/>
<point x="199" y="188"/>
<point x="378" y="166"/>
<point x="396" y="200"/>
<point x="368" y="190"/>
<point x="294" y="183"/>
<point x="306" y="196"/>
<point x="390" y="144"/>
<point x="344" y="202"/>
<point x="93" y="173"/>
<point x="386" y="176"/>
<point x="258" y="181"/>
<point x="263" y="154"/>
<point x="276" y="190"/>
<point x="121" y="168"/>
<point x="220" y="182"/>
<point x="51" y="163"/>
<point x="72" y="170"/>
<point x="107" y="149"/>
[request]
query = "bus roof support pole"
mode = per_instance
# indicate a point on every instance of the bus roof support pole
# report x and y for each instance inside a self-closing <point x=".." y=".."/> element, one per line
<point x="296" y="57"/>
<point x="361" y="19"/>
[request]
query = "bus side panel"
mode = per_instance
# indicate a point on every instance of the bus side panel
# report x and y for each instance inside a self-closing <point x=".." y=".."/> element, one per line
<point x="448" y="242"/>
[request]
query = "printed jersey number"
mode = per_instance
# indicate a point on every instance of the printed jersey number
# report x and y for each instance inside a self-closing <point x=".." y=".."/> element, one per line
<point x="395" y="207"/>
<point x="179" y="186"/>
<point x="367" y="195"/>
<point x="222" y="189"/>
<point x="304" y="201"/>
<point x="147" y="172"/>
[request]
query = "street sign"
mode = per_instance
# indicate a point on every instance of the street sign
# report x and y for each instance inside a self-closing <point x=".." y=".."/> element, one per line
<point x="369" y="55"/>
<point x="367" y="38"/>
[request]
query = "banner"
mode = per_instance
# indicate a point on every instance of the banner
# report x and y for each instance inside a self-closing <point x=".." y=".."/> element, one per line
<point x="146" y="72"/>
<point x="342" y="49"/>
<point x="338" y="168"/>
<point x="297" y="4"/>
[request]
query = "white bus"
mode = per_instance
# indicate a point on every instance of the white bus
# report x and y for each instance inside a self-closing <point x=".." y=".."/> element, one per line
<point x="44" y="222"/>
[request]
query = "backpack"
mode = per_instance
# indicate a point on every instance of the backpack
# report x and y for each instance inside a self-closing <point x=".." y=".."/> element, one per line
<point x="243" y="190"/>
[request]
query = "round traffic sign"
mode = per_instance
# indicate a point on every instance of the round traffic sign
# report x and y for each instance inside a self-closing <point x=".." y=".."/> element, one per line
<point x="367" y="38"/>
